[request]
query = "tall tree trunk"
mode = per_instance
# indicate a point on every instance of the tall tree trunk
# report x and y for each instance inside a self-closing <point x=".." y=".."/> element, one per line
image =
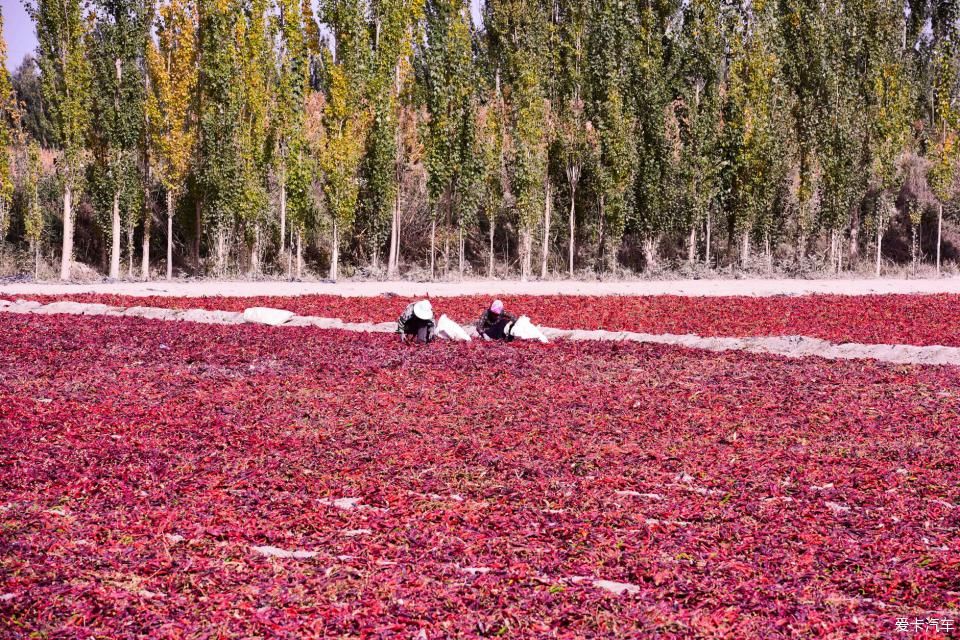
<point x="706" y="259"/>
<point x="462" y="249"/>
<point x="745" y="249"/>
<point x="547" y="210"/>
<point x="692" y="246"/>
<point x="299" y="254"/>
<point x="573" y="223"/>
<point x="913" y="246"/>
<point x="255" y="251"/>
<point x="650" y="253"/>
<point x="600" y="240"/>
<point x="169" y="235"/>
<point x="393" y="260"/>
<point x="335" y="253"/>
<point x="433" y="247"/>
<point x="198" y="231"/>
<point x="283" y="215"/>
<point x="130" y="251"/>
<point x="839" y="252"/>
<point x="115" y="238"/>
<point x="145" y="256"/>
<point x="66" y="259"/>
<point x="115" y="228"/>
<point x="446" y="251"/>
<point x="526" y="259"/>
<point x="939" y="234"/>
<point x="490" y="268"/>
<point x="35" y="247"/>
<point x="767" y="251"/>
<point x="221" y="252"/>
<point x="854" y="251"/>
<point x="879" y="243"/>
<point x="506" y="256"/>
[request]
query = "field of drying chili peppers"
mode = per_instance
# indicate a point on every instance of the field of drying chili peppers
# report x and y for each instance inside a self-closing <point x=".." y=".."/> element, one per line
<point x="882" y="319"/>
<point x="154" y="475"/>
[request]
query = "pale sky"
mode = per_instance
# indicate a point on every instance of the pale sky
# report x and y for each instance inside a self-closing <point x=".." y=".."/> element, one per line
<point x="18" y="31"/>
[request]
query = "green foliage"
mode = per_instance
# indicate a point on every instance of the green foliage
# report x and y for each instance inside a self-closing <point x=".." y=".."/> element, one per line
<point x="449" y="82"/>
<point x="290" y="96"/>
<point x="693" y="121"/>
<point x="393" y="23"/>
<point x="234" y="91"/>
<point x="530" y="122"/>
<point x="117" y="45"/>
<point x="172" y="67"/>
<point x="255" y="90"/>
<point x="29" y="94"/>
<point x="754" y="118"/>
<point x="615" y="173"/>
<point x="783" y="119"/>
<point x="9" y="122"/>
<point x="33" y="215"/>
<point x="66" y="77"/>
<point x="339" y="142"/>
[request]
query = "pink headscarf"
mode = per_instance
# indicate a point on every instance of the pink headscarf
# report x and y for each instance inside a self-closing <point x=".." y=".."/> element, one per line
<point x="497" y="307"/>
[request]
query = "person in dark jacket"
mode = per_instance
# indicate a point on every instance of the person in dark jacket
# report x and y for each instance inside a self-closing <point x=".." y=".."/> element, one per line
<point x="495" y="323"/>
<point x="416" y="323"/>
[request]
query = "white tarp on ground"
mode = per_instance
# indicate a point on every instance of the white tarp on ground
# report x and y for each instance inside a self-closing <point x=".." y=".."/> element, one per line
<point x="525" y="330"/>
<point x="450" y="330"/>
<point x="790" y="346"/>
<point x="266" y="315"/>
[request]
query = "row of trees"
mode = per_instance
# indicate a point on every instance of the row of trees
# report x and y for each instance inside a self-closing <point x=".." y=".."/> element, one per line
<point x="549" y="135"/>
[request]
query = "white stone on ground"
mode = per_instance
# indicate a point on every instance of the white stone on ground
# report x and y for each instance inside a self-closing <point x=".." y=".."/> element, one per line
<point x="637" y="494"/>
<point x="276" y="552"/>
<point x="151" y="313"/>
<point x="210" y="317"/>
<point x="836" y="507"/>
<point x="342" y="503"/>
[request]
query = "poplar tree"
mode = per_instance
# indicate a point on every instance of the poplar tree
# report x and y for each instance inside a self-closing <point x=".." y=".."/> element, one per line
<point x="9" y="122"/>
<point x="254" y="93"/>
<point x="695" y="116"/>
<point x="530" y="121"/>
<point x="220" y="164"/>
<point x="576" y="136"/>
<point x="448" y="79"/>
<point x="802" y="31"/>
<point x="345" y="119"/>
<point x="753" y="168"/>
<point x="66" y="80"/>
<point x="946" y="127"/>
<point x="118" y="42"/>
<point x="33" y="216"/>
<point x="613" y="57"/>
<point x="289" y="147"/>
<point x="394" y="24"/>
<point x="172" y="67"/>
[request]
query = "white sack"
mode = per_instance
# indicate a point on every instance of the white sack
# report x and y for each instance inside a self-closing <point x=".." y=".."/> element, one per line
<point x="450" y="330"/>
<point x="265" y="315"/>
<point x="525" y="330"/>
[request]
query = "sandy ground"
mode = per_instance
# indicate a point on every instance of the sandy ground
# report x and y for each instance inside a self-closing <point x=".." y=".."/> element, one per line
<point x="492" y="287"/>
<point x="789" y="346"/>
